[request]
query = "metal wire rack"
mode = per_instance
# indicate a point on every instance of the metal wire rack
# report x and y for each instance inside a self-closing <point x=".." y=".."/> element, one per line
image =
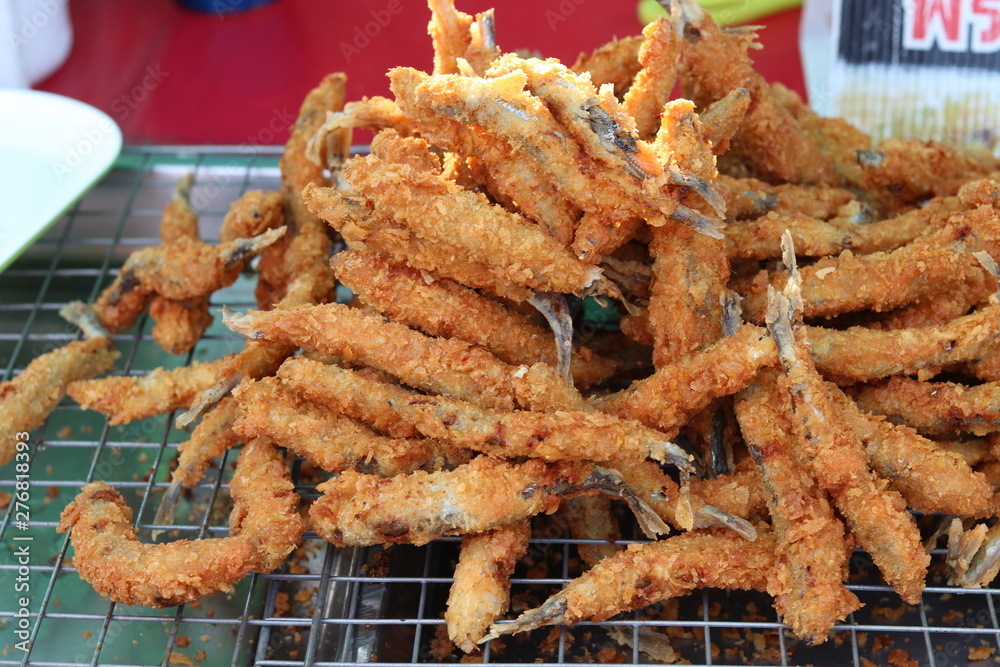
<point x="331" y="606"/>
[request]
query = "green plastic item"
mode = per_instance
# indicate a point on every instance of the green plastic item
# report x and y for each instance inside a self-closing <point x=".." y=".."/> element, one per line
<point x="723" y="12"/>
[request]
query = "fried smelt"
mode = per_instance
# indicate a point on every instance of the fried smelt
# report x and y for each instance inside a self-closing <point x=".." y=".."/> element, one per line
<point x="973" y="555"/>
<point x="812" y="547"/>
<point x="929" y="477"/>
<point x="268" y="409"/>
<point x="725" y="502"/>
<point x="443" y="365"/>
<point x="443" y="307"/>
<point x="666" y="399"/>
<point x="591" y="518"/>
<point x="252" y="214"/>
<point x="184" y="269"/>
<point x="519" y="251"/>
<point x="551" y="436"/>
<point x="862" y="354"/>
<point x="723" y="117"/>
<point x="480" y="591"/>
<point x="752" y="198"/>
<point x="27" y="399"/>
<point x="297" y="270"/>
<point x="932" y="264"/>
<point x="915" y="169"/>
<point x="264" y="528"/>
<point x="126" y="398"/>
<point x="770" y="142"/>
<point x="486" y="493"/>
<point x="651" y="88"/>
<point x="502" y="106"/>
<point x="210" y="439"/>
<point x="179" y="324"/>
<point x="616" y="62"/>
<point x="507" y="171"/>
<point x="645" y="574"/>
<point x="836" y="458"/>
<point x="934" y="408"/>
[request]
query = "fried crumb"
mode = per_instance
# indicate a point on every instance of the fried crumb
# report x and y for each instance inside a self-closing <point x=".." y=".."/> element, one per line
<point x="952" y="616"/>
<point x="181" y="659"/>
<point x="64" y="433"/>
<point x="881" y="642"/>
<point x="305" y="595"/>
<point x="865" y="662"/>
<point x="901" y="658"/>
<point x="182" y="641"/>
<point x="551" y="641"/>
<point x="5" y="500"/>
<point x="981" y="652"/>
<point x="281" y="604"/>
<point x="608" y="655"/>
<point x="441" y="645"/>
<point x="206" y="638"/>
<point x="894" y="614"/>
<point x="52" y="491"/>
<point x="87" y="634"/>
<point x="200" y="656"/>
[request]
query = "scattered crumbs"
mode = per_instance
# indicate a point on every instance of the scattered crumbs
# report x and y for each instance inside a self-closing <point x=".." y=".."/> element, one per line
<point x="980" y="652"/>
<point x="881" y="642"/>
<point x="945" y="597"/>
<point x="714" y="609"/>
<point x="732" y="634"/>
<point x="894" y="614"/>
<point x="64" y="432"/>
<point x="135" y="642"/>
<point x="293" y="654"/>
<point x="200" y="656"/>
<point x="441" y="645"/>
<point x="281" y="604"/>
<point x="183" y="641"/>
<point x="714" y="648"/>
<point x="206" y="638"/>
<point x="608" y="655"/>
<point x="862" y="638"/>
<point x="210" y="613"/>
<point x="865" y="662"/>
<point x="87" y="429"/>
<point x="4" y="500"/>
<point x="52" y="491"/>
<point x="759" y="644"/>
<point x="952" y="615"/>
<point x="48" y="469"/>
<point x="143" y="457"/>
<point x="901" y="658"/>
<point x="58" y="602"/>
<point x="551" y="641"/>
<point x="181" y="659"/>
<point x="471" y="659"/>
<point x="194" y="605"/>
<point x="87" y="634"/>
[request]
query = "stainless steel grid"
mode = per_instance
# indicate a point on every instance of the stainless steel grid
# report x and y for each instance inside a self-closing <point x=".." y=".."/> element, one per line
<point x="329" y="606"/>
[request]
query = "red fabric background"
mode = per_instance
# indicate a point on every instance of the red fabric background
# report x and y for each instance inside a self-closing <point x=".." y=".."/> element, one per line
<point x="172" y="76"/>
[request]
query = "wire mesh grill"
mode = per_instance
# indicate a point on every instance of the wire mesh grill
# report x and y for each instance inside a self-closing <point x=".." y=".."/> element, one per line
<point x="327" y="605"/>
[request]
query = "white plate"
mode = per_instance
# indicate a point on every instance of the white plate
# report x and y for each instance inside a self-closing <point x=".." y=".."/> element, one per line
<point x="52" y="150"/>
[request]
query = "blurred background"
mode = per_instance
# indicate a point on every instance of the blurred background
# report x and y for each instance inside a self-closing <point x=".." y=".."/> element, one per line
<point x="170" y="75"/>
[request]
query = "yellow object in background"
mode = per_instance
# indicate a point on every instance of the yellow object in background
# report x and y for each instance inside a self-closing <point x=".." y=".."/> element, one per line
<point x="723" y="12"/>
